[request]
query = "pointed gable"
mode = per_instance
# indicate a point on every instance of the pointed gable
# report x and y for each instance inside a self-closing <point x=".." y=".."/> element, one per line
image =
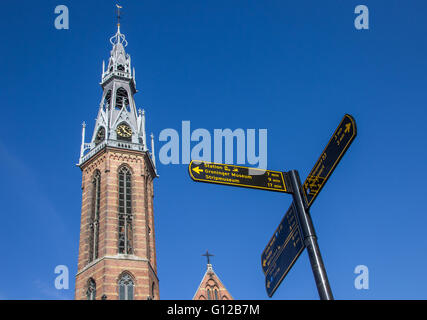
<point x="211" y="287"/>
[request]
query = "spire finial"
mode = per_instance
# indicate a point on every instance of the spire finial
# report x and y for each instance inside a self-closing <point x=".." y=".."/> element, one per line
<point x="118" y="15"/>
<point x="207" y="255"/>
<point x="118" y="37"/>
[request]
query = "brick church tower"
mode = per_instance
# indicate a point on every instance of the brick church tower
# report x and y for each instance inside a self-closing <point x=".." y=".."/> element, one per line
<point x="117" y="253"/>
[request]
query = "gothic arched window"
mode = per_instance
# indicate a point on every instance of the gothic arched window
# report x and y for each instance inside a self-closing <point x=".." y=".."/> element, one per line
<point x="122" y="99"/>
<point x="126" y="287"/>
<point x="107" y="101"/>
<point x="209" y="294"/>
<point x="91" y="289"/>
<point x="94" y="218"/>
<point x="125" y="211"/>
<point x="153" y="286"/>
<point x="216" y="294"/>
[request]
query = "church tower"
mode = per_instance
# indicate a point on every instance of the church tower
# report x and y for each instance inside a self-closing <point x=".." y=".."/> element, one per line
<point x="211" y="288"/>
<point x="117" y="253"/>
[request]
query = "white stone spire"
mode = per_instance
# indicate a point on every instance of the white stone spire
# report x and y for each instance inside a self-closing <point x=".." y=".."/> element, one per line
<point x="118" y="124"/>
<point x="118" y="104"/>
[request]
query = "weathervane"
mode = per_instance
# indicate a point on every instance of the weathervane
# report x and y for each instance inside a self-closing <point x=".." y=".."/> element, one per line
<point x="118" y="14"/>
<point x="207" y="255"/>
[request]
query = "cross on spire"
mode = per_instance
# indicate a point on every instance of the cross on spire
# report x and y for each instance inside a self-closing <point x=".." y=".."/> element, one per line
<point x="207" y="255"/>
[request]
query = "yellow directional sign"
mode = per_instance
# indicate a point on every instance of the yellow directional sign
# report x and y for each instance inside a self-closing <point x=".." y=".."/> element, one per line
<point x="331" y="156"/>
<point x="239" y="176"/>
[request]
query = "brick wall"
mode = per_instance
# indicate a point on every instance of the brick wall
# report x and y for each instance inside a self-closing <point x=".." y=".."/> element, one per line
<point x="141" y="265"/>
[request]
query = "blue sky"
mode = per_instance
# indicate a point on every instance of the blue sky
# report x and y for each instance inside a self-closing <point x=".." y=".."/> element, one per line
<point x="294" y="68"/>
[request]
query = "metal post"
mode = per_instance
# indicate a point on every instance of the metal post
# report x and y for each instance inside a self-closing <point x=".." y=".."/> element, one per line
<point x="310" y="239"/>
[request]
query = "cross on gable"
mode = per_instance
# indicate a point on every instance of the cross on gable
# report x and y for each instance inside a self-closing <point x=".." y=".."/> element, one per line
<point x="207" y="255"/>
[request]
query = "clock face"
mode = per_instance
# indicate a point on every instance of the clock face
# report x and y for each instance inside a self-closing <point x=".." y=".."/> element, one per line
<point x="100" y="136"/>
<point x="124" y="131"/>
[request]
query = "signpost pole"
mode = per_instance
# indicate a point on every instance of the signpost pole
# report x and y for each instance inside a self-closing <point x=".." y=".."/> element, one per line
<point x="310" y="239"/>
